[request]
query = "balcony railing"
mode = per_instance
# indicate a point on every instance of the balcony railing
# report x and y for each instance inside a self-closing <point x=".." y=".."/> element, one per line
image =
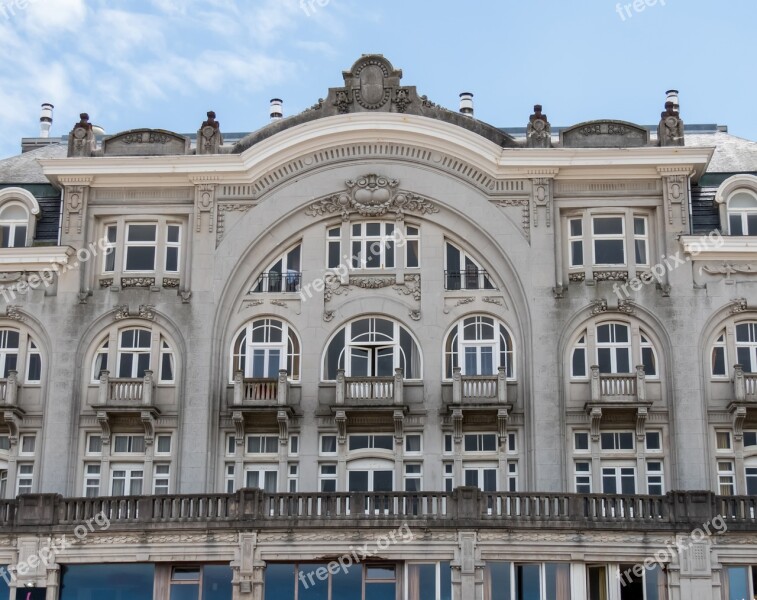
<point x="470" y="279"/>
<point x="125" y="391"/>
<point x="382" y="390"/>
<point x="463" y="507"/>
<point x="479" y="389"/>
<point x="744" y="385"/>
<point x="278" y="283"/>
<point x="618" y="387"/>
<point x="251" y="391"/>
<point x="9" y="389"/>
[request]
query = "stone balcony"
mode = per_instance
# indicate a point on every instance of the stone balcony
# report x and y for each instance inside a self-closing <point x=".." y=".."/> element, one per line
<point x="619" y="393"/>
<point x="266" y="401"/>
<point x="464" y="507"/>
<point x="481" y="397"/>
<point x="744" y="397"/>
<point x="126" y="397"/>
<point x="11" y="413"/>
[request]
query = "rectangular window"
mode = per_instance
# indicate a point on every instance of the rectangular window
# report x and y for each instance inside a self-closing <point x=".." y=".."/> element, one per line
<point x="163" y="444"/>
<point x="292" y="478"/>
<point x="617" y="440"/>
<point x="619" y="480"/>
<point x="92" y="480"/>
<point x="28" y="442"/>
<point x="609" y="240"/>
<point x="640" y="240"/>
<point x="373" y="245"/>
<point x="264" y="477"/>
<point x="294" y="445"/>
<point x="655" y="478"/>
<point x="173" y="245"/>
<point x="750" y="439"/>
<point x="412" y="247"/>
<point x="412" y="443"/>
<point x="723" y="440"/>
<point x="448" y="445"/>
<point x="334" y="248"/>
<point x="129" y="444"/>
<point x="141" y="243"/>
<point x="230" y="478"/>
<point x="161" y="479"/>
<point x="413" y="477"/>
<point x="25" y="479"/>
<point x="512" y="476"/>
<point x="231" y="445"/>
<point x="581" y="441"/>
<point x="480" y="442"/>
<point x="327" y="478"/>
<point x="726" y="479"/>
<point x="362" y="442"/>
<point x="653" y="442"/>
<point x="109" y="250"/>
<point x="94" y="444"/>
<point x="576" y="242"/>
<point x="5" y="442"/>
<point x="428" y="581"/>
<point x="262" y="444"/>
<point x="583" y="478"/>
<point x="737" y="579"/>
<point x="449" y="479"/>
<point x="482" y="477"/>
<point x="126" y="480"/>
<point x="328" y="444"/>
<point x="512" y="442"/>
<point x="33" y="363"/>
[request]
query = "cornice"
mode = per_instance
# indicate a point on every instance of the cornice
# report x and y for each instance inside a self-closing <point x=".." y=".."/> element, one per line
<point x="722" y="248"/>
<point x="366" y="130"/>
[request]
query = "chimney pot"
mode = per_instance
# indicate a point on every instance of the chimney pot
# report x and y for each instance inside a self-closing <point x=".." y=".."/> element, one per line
<point x="277" y="108"/>
<point x="466" y="103"/>
<point x="45" y="120"/>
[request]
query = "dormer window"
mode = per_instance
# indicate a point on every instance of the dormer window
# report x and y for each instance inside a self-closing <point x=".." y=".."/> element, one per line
<point x="14" y="220"/>
<point x="742" y="213"/>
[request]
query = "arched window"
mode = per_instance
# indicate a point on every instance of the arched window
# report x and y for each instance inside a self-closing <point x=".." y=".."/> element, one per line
<point x="479" y="345"/>
<point x="372" y="347"/>
<point x="14" y="222"/>
<point x="127" y="353"/>
<point x="462" y="272"/>
<point x="263" y="347"/>
<point x="742" y="213"/>
<point x="18" y="351"/>
<point x="283" y="275"/>
<point x="746" y="346"/>
<point x="616" y="347"/>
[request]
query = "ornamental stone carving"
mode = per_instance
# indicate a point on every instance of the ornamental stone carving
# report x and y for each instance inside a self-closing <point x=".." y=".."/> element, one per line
<point x="539" y="130"/>
<point x="670" y="129"/>
<point x="81" y="140"/>
<point x="209" y="138"/>
<point x="371" y="196"/>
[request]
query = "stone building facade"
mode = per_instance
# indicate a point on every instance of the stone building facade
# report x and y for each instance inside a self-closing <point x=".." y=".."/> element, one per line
<point x="471" y="362"/>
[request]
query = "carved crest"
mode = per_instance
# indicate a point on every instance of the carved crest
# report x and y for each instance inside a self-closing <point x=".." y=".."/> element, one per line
<point x="371" y="196"/>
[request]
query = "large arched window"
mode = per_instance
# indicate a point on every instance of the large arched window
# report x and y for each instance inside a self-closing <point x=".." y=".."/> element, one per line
<point x="130" y="351"/>
<point x="734" y="344"/>
<point x="463" y="272"/>
<point x="372" y="347"/>
<point x="479" y="345"/>
<point x="265" y="346"/>
<point x="617" y="348"/>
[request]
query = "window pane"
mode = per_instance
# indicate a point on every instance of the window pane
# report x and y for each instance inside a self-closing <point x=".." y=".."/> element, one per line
<point x="173" y="233"/>
<point x="172" y="259"/>
<point x="527" y="582"/>
<point x="608" y="225"/>
<point x="579" y="362"/>
<point x="347" y="585"/>
<point x="718" y="361"/>
<point x="279" y="581"/>
<point x="412" y="253"/>
<point x="35" y="368"/>
<point x="738" y="582"/>
<point x="121" y="581"/>
<point x="557" y="581"/>
<point x="19" y="239"/>
<point x="623" y="360"/>
<point x="358" y="481"/>
<point x="609" y="252"/>
<point x="604" y="359"/>
<point x="142" y="233"/>
<point x="140" y="258"/>
<point x="383" y="481"/>
<point x="576" y="254"/>
<point x="648" y="360"/>
<point x="734" y="222"/>
<point x="576" y="227"/>
<point x="641" y="252"/>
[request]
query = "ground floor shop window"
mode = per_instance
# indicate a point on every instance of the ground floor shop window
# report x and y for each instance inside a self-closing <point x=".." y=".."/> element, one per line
<point x="527" y="581"/>
<point x="112" y="581"/>
<point x="330" y="581"/>
<point x="740" y="583"/>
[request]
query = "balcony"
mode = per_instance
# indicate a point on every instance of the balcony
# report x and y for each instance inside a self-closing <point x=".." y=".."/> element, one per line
<point x="469" y="279"/>
<point x="464" y="507"/>
<point x="370" y="391"/>
<point x="126" y="393"/>
<point x="744" y="385"/>
<point x="474" y="395"/>
<point x="264" y="401"/>
<point x="618" y="389"/>
<point x="277" y="283"/>
<point x="9" y="390"/>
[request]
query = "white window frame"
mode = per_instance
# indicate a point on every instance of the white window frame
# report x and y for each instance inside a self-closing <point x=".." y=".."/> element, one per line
<point x="385" y="239"/>
<point x="131" y="438"/>
<point x="322" y="477"/>
<point x="726" y="477"/>
<point x="595" y="237"/>
<point x="264" y="440"/>
<point x="128" y="244"/>
<point x="161" y="481"/>
<point x="281" y="265"/>
<point x="92" y="479"/>
<point x="742" y="213"/>
<point x="129" y="470"/>
<point x="261" y="469"/>
<point x="483" y="276"/>
<point x="243" y="349"/>
<point x="575" y="239"/>
<point x="618" y="468"/>
<point x="642" y="238"/>
<point x="652" y="475"/>
<point x="585" y="476"/>
<point x="172" y="245"/>
<point x="413" y="476"/>
<point x="26" y="476"/>
<point x="480" y="468"/>
<point x="455" y="346"/>
<point x="13" y="225"/>
<point x="229" y="477"/>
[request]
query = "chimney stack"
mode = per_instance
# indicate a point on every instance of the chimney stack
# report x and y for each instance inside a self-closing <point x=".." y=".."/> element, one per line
<point x="277" y="109"/>
<point x="466" y="104"/>
<point x="45" y="120"/>
<point x="672" y="96"/>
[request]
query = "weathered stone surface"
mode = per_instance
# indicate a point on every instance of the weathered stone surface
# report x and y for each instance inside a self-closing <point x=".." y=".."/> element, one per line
<point x="604" y="134"/>
<point x="145" y="142"/>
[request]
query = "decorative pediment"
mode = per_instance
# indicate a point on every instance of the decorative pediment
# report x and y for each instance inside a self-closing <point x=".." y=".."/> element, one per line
<point x="145" y="142"/>
<point x="371" y="196"/>
<point x="604" y="134"/>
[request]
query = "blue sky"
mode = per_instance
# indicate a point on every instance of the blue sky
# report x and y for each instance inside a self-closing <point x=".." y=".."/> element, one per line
<point x="164" y="63"/>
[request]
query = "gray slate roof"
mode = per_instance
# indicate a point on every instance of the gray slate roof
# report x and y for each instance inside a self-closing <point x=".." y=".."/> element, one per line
<point x="732" y="155"/>
<point x="24" y="168"/>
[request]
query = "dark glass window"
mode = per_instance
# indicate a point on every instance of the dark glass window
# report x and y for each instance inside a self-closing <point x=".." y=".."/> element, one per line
<point x="112" y="581"/>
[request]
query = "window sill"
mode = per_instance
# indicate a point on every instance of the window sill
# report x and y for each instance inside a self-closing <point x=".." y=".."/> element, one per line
<point x="32" y="258"/>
